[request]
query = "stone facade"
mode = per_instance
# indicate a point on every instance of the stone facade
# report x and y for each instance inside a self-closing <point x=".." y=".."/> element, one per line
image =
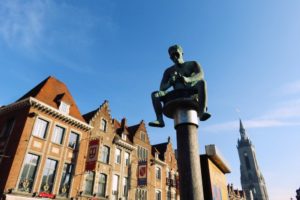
<point x="214" y="167"/>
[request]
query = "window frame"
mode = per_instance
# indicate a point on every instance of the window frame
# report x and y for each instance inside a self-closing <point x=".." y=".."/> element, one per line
<point x="67" y="174"/>
<point x="64" y="107"/>
<point x="77" y="140"/>
<point x="103" y="125"/>
<point x="158" y="173"/>
<point x="104" y="158"/>
<point x="48" y="169"/>
<point x="142" y="153"/>
<point x="125" y="187"/>
<point x="36" y="128"/>
<point x="118" y="156"/>
<point x="103" y="184"/>
<point x="54" y="134"/>
<point x="90" y="176"/>
<point x="115" y="185"/>
<point x="157" y="194"/>
<point x="127" y="159"/>
<point x="25" y="181"/>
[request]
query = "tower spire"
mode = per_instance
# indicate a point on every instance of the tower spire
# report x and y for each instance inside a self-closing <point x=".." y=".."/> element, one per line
<point x="242" y="131"/>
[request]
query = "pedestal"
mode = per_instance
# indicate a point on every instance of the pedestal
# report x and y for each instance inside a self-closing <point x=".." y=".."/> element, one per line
<point x="181" y="106"/>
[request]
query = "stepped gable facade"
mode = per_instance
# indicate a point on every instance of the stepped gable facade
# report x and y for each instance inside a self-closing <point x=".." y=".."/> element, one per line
<point x="111" y="177"/>
<point x="166" y="168"/>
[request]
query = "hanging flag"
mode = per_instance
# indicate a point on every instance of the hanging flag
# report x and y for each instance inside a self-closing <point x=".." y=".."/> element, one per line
<point x="142" y="170"/>
<point x="92" y="155"/>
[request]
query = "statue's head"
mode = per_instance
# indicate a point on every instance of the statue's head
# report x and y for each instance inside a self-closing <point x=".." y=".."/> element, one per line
<point x="176" y="54"/>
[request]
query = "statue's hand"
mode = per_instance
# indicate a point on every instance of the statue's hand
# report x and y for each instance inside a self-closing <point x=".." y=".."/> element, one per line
<point x="161" y="93"/>
<point x="185" y="79"/>
<point x="182" y="79"/>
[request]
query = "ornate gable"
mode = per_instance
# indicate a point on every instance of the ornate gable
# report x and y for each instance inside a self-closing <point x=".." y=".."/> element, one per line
<point x="139" y="132"/>
<point x="100" y="118"/>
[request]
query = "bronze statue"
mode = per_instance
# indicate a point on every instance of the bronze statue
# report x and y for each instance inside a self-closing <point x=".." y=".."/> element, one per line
<point x="181" y="75"/>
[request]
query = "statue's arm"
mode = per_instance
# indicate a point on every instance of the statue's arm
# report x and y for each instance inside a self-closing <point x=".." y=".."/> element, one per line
<point x="166" y="82"/>
<point x="197" y="74"/>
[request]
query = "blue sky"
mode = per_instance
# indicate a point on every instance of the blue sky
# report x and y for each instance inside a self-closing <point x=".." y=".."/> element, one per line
<point x="117" y="50"/>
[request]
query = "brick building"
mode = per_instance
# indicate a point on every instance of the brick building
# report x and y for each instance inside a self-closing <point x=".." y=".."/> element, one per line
<point x="43" y="143"/>
<point x="45" y="151"/>
<point x="165" y="164"/>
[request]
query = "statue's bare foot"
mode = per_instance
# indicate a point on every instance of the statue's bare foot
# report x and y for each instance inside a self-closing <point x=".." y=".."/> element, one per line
<point x="204" y="116"/>
<point x="157" y="123"/>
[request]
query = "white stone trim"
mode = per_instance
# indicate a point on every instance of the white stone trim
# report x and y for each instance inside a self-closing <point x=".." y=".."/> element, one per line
<point x="124" y="144"/>
<point x="48" y="109"/>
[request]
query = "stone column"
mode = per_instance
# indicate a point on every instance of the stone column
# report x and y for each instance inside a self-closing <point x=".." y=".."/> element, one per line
<point x="184" y="113"/>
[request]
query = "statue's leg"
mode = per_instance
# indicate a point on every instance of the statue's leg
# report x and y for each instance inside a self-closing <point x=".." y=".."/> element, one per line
<point x="202" y="98"/>
<point x="156" y="101"/>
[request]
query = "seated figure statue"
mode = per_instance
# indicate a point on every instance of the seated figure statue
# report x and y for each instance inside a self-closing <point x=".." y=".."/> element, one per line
<point x="181" y="75"/>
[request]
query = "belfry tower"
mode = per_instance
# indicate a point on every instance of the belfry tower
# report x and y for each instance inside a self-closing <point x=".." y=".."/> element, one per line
<point x="252" y="180"/>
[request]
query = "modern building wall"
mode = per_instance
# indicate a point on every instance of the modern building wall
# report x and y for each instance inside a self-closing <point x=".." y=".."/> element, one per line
<point x="213" y="169"/>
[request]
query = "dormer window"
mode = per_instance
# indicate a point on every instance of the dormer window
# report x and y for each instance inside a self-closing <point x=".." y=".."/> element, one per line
<point x="64" y="107"/>
<point x="103" y="125"/>
<point x="124" y="136"/>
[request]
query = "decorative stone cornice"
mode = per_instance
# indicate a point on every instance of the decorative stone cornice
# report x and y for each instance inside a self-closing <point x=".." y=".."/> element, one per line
<point x="46" y="109"/>
<point x="124" y="144"/>
<point x="158" y="161"/>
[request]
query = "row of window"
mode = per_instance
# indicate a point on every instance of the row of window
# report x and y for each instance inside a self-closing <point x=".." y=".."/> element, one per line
<point x="102" y="184"/>
<point x="30" y="167"/>
<point x="105" y="152"/>
<point x="41" y="127"/>
<point x="29" y="170"/>
<point x="169" y="174"/>
<point x="142" y="153"/>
